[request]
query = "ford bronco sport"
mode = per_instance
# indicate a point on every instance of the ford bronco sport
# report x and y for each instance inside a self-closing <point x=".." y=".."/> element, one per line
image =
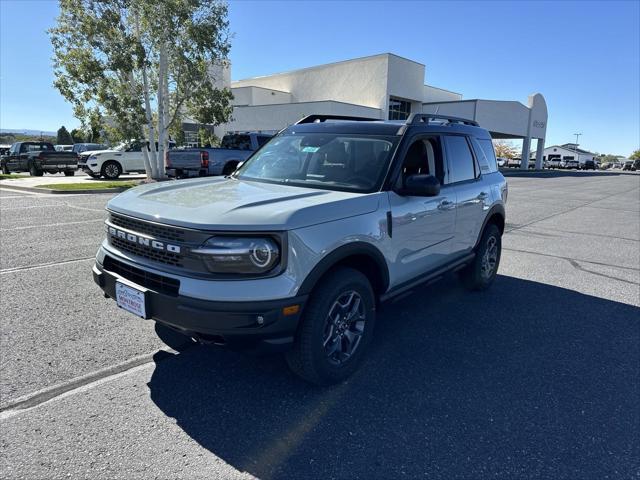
<point x="296" y="249"/>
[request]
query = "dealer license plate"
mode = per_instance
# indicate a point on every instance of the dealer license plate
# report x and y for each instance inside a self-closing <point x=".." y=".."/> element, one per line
<point x="131" y="299"/>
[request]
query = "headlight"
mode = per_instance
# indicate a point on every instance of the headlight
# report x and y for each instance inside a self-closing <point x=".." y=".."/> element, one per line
<point x="239" y="255"/>
<point x="93" y="157"/>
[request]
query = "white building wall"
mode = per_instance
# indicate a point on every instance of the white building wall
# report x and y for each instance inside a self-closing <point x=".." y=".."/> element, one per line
<point x="271" y="118"/>
<point x="435" y="94"/>
<point x="258" y="96"/>
<point x="361" y="81"/>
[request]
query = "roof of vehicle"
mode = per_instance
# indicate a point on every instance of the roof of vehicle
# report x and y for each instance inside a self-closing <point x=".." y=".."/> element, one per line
<point x="384" y="127"/>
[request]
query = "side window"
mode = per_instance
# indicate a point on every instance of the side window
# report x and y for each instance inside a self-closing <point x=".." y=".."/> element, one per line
<point x="262" y="139"/>
<point x="485" y="154"/>
<point x="461" y="162"/>
<point x="424" y="156"/>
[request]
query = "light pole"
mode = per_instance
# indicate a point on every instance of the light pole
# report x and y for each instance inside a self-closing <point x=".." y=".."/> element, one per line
<point x="575" y="149"/>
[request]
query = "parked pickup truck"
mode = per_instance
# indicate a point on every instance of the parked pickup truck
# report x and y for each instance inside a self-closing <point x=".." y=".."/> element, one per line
<point x="202" y="162"/>
<point x="37" y="158"/>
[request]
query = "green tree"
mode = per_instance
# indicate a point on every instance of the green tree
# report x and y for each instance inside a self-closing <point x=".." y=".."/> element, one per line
<point x="635" y="155"/>
<point x="77" y="135"/>
<point x="142" y="64"/>
<point x="63" y="136"/>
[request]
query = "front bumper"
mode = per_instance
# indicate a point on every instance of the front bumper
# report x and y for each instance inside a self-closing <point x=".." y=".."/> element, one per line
<point x="258" y="326"/>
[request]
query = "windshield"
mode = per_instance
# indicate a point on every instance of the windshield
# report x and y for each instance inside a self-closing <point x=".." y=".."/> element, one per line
<point x="347" y="162"/>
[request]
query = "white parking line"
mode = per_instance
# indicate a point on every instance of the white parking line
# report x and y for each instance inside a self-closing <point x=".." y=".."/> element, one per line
<point x="28" y="227"/>
<point x="43" y="265"/>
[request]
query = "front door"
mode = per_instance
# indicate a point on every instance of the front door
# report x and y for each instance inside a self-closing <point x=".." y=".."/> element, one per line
<point x="423" y="227"/>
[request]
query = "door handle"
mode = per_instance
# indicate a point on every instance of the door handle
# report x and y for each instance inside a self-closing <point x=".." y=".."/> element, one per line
<point x="445" y="205"/>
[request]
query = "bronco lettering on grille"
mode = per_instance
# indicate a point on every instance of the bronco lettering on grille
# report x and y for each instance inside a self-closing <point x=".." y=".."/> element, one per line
<point x="144" y="241"/>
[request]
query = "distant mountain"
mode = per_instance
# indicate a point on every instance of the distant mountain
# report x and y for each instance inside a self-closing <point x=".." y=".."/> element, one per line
<point x="28" y="132"/>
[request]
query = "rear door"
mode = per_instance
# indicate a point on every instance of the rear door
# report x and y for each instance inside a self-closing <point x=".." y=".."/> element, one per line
<point x="472" y="193"/>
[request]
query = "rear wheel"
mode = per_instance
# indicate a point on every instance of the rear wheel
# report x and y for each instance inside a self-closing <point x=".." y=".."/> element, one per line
<point x="35" y="171"/>
<point x="336" y="328"/>
<point x="69" y="173"/>
<point x="111" y="170"/>
<point x="481" y="273"/>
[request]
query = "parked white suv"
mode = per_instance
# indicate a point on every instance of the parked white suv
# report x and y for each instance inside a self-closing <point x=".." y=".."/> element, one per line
<point x="295" y="250"/>
<point x="125" y="158"/>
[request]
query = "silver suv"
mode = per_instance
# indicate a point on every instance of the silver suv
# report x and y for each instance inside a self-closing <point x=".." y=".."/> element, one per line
<point x="295" y="250"/>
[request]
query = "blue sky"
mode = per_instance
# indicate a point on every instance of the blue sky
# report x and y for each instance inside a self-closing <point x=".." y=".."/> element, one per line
<point x="584" y="57"/>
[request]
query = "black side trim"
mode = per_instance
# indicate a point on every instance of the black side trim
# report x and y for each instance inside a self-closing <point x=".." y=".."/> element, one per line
<point x="351" y="249"/>
<point x="429" y="277"/>
<point x="499" y="209"/>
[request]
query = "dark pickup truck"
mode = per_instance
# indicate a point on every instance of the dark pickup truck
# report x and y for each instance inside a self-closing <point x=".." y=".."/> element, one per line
<point x="201" y="162"/>
<point x="37" y="158"/>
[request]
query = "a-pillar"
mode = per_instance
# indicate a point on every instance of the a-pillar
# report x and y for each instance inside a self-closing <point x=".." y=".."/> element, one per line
<point x="539" y="152"/>
<point x="524" y="157"/>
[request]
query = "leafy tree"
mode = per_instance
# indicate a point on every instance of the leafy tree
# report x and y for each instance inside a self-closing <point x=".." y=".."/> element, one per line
<point x="63" y="136"/>
<point x="635" y="155"/>
<point x="142" y="63"/>
<point x="505" y="149"/>
<point x="77" y="135"/>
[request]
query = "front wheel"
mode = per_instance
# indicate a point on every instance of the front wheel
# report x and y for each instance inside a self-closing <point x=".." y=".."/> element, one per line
<point x="69" y="173"/>
<point x="111" y="170"/>
<point x="5" y="169"/>
<point x="481" y="273"/>
<point x="336" y="328"/>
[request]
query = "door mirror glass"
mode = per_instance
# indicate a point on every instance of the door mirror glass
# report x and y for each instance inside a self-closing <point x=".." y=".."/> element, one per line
<point x="420" y="185"/>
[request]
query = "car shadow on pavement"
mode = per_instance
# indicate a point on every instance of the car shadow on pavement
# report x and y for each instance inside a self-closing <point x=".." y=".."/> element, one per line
<point x="523" y="380"/>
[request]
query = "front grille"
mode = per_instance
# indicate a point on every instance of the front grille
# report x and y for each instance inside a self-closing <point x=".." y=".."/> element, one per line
<point x="162" y="256"/>
<point x="147" y="228"/>
<point x="152" y="281"/>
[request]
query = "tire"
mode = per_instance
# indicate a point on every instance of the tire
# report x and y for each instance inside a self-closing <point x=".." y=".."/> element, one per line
<point x="69" y="174"/>
<point x="5" y="169"/>
<point x="229" y="168"/>
<point x="35" y="172"/>
<point x="481" y="273"/>
<point x="173" y="338"/>
<point x="111" y="170"/>
<point x="315" y="357"/>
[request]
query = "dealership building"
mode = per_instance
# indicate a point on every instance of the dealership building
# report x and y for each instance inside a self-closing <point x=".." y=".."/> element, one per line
<point x="384" y="86"/>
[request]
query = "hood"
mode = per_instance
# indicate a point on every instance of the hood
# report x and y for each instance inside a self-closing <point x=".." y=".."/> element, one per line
<point x="230" y="204"/>
<point x="97" y="152"/>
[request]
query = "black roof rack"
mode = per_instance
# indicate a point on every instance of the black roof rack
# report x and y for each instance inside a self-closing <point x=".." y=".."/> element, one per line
<point x="416" y="118"/>
<point x="324" y="118"/>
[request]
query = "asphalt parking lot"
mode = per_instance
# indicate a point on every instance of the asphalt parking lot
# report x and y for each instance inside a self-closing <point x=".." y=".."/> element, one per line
<point x="537" y="377"/>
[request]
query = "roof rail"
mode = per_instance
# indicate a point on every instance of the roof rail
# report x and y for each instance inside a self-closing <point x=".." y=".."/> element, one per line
<point x="324" y="118"/>
<point x="416" y="118"/>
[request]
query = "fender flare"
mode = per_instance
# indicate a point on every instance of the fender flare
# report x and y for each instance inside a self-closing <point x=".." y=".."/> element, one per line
<point x="496" y="209"/>
<point x="341" y="253"/>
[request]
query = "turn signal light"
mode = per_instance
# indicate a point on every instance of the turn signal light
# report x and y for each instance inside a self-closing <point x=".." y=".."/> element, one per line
<point x="290" y="310"/>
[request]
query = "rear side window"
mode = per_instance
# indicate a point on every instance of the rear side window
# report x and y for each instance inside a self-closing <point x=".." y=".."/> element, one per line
<point x="460" y="159"/>
<point x="236" y="142"/>
<point x="262" y="139"/>
<point x="485" y="154"/>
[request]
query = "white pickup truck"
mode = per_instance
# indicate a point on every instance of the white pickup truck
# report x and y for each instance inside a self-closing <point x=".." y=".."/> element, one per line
<point x="125" y="158"/>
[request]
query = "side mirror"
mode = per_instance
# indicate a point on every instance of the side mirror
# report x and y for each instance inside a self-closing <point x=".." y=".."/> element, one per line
<point x="421" y="185"/>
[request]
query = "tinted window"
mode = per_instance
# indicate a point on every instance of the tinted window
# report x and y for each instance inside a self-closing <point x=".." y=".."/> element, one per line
<point x="262" y="139"/>
<point x="236" y="142"/>
<point x="486" y="155"/>
<point x="399" y="109"/>
<point x="461" y="162"/>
